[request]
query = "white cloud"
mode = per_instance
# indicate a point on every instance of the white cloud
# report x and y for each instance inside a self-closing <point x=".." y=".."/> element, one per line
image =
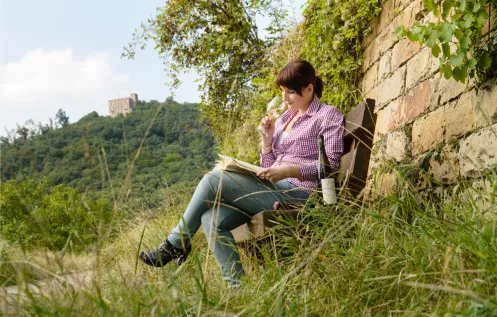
<point x="45" y="80"/>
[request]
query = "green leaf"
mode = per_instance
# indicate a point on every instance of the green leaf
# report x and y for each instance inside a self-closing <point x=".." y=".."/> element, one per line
<point x="431" y="5"/>
<point x="481" y="16"/>
<point x="400" y="31"/>
<point x="456" y="16"/>
<point x="467" y="20"/>
<point x="476" y="6"/>
<point x="456" y="60"/>
<point x="465" y="42"/>
<point x="447" y="5"/>
<point x="446" y="70"/>
<point x="413" y="34"/>
<point x="445" y="34"/>
<point x="432" y="39"/>
<point x="471" y="63"/>
<point x="462" y="5"/>
<point x="459" y="73"/>
<point x="446" y="49"/>
<point x="484" y="61"/>
<point x="435" y="50"/>
<point x="459" y="34"/>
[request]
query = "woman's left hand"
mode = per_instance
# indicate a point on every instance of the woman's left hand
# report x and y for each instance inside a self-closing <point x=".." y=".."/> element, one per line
<point x="274" y="173"/>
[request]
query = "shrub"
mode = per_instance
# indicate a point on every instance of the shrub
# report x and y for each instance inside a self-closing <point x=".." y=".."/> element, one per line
<point x="34" y="215"/>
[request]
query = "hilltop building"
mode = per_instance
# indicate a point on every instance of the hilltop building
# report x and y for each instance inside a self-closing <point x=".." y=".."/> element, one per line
<point x="122" y="105"/>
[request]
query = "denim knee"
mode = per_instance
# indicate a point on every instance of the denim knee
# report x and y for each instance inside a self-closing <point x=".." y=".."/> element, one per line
<point x="211" y="180"/>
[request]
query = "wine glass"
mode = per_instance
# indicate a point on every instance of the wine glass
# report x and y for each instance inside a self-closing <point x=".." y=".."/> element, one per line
<point x="274" y="109"/>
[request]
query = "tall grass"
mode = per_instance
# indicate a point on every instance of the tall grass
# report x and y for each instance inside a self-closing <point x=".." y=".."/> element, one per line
<point x="398" y="256"/>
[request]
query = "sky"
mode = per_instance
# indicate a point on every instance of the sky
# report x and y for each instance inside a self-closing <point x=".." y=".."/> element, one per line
<point x="63" y="54"/>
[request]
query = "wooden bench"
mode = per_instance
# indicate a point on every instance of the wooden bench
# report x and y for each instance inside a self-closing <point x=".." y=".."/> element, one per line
<point x="358" y="140"/>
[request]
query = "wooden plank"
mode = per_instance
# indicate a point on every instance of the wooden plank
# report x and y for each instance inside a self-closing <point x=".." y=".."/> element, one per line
<point x="360" y="118"/>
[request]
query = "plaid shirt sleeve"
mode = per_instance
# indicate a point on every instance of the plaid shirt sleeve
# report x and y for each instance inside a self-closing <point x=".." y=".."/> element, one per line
<point x="267" y="159"/>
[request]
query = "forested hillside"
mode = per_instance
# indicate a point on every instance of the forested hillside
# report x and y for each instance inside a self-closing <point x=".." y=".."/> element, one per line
<point x="83" y="155"/>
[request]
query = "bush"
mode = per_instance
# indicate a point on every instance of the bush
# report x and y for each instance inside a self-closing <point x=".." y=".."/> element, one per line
<point x="37" y="215"/>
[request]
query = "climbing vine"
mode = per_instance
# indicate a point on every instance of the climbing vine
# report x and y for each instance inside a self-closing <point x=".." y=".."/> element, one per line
<point x="462" y="38"/>
<point x="331" y="38"/>
<point x="334" y="33"/>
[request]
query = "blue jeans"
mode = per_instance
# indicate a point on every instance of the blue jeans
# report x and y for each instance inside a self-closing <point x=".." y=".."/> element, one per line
<point x="224" y="201"/>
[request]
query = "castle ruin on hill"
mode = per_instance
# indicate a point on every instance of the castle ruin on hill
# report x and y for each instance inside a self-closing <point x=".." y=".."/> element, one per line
<point x="122" y="105"/>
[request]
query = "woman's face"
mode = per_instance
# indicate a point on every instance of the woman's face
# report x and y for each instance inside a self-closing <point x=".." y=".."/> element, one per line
<point x="296" y="101"/>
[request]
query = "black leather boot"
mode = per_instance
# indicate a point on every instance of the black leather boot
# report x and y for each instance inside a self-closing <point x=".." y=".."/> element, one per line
<point x="165" y="253"/>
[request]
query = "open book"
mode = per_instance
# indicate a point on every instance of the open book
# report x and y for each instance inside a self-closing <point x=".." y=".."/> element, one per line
<point x="227" y="163"/>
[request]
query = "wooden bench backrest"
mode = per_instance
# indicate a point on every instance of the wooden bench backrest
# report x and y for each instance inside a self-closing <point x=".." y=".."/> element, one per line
<point x="358" y="139"/>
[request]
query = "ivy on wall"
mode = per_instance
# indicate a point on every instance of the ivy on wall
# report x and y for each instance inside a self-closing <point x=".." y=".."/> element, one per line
<point x="458" y="38"/>
<point x="330" y="38"/>
<point x="333" y="33"/>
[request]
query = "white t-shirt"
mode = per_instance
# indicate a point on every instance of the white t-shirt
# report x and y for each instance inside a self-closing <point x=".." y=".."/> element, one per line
<point x="278" y="142"/>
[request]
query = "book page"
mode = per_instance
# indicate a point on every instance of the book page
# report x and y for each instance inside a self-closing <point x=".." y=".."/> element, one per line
<point x="230" y="164"/>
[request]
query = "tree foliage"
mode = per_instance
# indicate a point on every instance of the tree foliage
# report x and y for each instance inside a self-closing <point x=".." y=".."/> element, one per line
<point x="220" y="40"/>
<point x="62" y="118"/>
<point x="97" y="152"/>
<point x="35" y="214"/>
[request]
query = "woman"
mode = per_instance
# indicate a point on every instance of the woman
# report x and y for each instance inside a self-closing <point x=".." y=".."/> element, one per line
<point x="225" y="200"/>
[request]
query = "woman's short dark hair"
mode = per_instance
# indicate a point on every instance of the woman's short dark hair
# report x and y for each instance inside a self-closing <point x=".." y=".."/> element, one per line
<point x="298" y="74"/>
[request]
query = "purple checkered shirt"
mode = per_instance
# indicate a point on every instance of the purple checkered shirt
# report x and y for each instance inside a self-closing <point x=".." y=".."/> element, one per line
<point x="300" y="147"/>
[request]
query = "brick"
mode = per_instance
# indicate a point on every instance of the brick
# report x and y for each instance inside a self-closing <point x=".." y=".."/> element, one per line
<point x="386" y="39"/>
<point x="428" y="131"/>
<point x="407" y="17"/>
<point x="429" y="18"/>
<point x="370" y="79"/>
<point x="391" y="87"/>
<point x="420" y="67"/>
<point x="384" y="67"/>
<point x="450" y="89"/>
<point x="434" y="91"/>
<point x="460" y="116"/>
<point x="445" y="165"/>
<point x="395" y="109"/>
<point x="382" y="122"/>
<point x="371" y="55"/>
<point x="412" y="104"/>
<point x="478" y="152"/>
<point x="386" y="14"/>
<point x="378" y="156"/>
<point x="403" y="51"/>
<point x="382" y="184"/>
<point x="397" y="145"/>
<point x="372" y="94"/>
<point x="400" y="5"/>
<point x="369" y="38"/>
<point x="486" y="107"/>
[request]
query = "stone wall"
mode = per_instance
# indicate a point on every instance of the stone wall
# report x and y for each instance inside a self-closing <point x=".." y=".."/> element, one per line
<point x="441" y="125"/>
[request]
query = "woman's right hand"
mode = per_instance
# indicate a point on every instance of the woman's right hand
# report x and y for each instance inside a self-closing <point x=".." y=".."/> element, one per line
<point x="266" y="129"/>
